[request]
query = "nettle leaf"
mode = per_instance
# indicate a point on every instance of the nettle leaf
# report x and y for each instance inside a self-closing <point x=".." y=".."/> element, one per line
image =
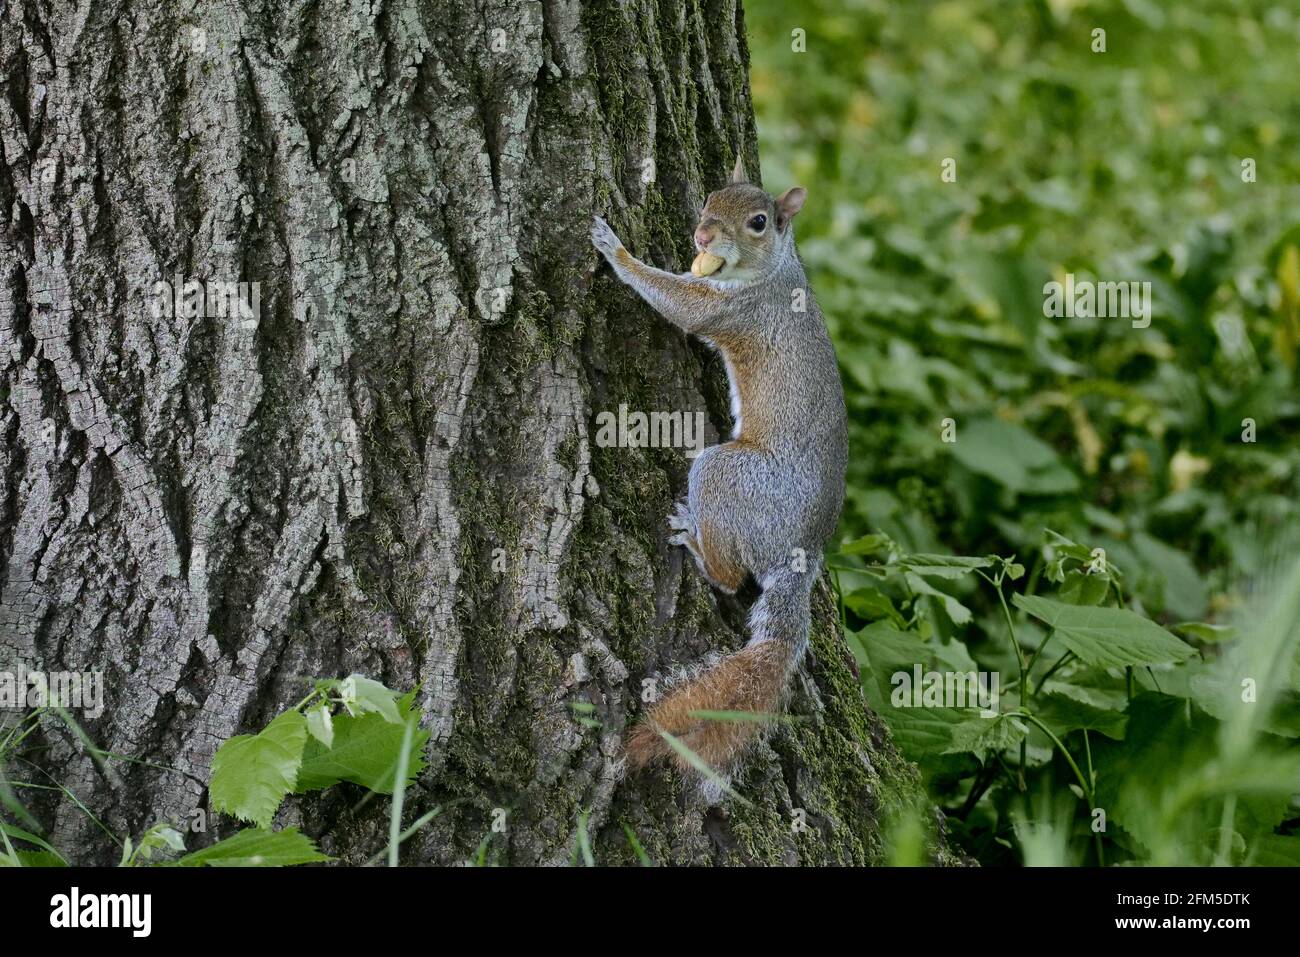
<point x="251" y="774"/>
<point x="1160" y="782"/>
<point x="1013" y="457"/>
<point x="362" y="695"/>
<point x="1112" y="637"/>
<point x="959" y="613"/>
<point x="255" y="847"/>
<point x="365" y="751"/>
<point x="981" y="736"/>
<point x="944" y="566"/>
<point x="1080" y="588"/>
<point x="1065" y="550"/>
<point x="871" y="604"/>
<point x="1064" y="714"/>
<point x="922" y="734"/>
<point x="867" y="545"/>
<point x="321" y="725"/>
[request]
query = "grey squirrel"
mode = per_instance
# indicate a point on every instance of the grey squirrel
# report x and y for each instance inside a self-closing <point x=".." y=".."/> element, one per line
<point x="764" y="503"/>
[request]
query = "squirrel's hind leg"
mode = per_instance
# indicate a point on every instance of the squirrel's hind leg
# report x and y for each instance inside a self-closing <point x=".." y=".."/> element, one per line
<point x="718" y="572"/>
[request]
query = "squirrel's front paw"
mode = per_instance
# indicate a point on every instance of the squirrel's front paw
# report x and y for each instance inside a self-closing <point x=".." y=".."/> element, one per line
<point x="605" y="239"/>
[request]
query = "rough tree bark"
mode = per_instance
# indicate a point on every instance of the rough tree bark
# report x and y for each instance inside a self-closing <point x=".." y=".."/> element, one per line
<point x="392" y="470"/>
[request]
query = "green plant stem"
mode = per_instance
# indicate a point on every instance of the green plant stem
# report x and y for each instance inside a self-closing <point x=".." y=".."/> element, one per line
<point x="1052" y="670"/>
<point x="1033" y="659"/>
<point x="1087" y="788"/>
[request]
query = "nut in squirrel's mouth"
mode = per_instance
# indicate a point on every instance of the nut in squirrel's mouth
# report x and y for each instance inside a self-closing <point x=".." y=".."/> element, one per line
<point x="707" y="264"/>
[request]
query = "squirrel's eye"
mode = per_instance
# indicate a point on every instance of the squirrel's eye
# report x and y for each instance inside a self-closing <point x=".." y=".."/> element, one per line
<point x="758" y="223"/>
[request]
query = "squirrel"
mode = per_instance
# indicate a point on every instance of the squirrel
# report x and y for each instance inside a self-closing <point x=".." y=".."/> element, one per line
<point x="764" y="503"/>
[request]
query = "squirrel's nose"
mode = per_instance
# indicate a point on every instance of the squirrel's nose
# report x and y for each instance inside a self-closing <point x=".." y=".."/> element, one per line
<point x="703" y="236"/>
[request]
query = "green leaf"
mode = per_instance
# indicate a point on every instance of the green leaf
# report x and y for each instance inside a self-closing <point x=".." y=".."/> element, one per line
<point x="1080" y="588"/>
<point x="871" y="604"/>
<point x="362" y="695"/>
<point x="255" y="847"/>
<point x="922" y="734"/>
<point x="642" y="857"/>
<point x="1013" y="457"/>
<point x="22" y="835"/>
<point x="982" y="736"/>
<point x="701" y="766"/>
<point x="944" y="566"/>
<point x="40" y="859"/>
<point x="867" y="545"/>
<point x="1274" y="850"/>
<point x="1207" y="633"/>
<point x="959" y="613"/>
<point x="365" y="751"/>
<point x="1107" y="636"/>
<point x="321" y="725"/>
<point x="251" y="774"/>
<point x="1182" y="588"/>
<point x="1064" y="714"/>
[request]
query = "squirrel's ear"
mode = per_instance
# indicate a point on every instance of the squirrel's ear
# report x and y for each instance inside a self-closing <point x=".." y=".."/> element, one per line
<point x="738" y="172"/>
<point x="788" y="205"/>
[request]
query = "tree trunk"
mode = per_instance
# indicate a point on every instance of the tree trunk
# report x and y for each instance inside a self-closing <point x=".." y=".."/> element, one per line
<point x="390" y="467"/>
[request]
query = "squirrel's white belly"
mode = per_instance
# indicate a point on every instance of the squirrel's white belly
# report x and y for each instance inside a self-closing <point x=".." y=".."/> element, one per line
<point x="735" y="396"/>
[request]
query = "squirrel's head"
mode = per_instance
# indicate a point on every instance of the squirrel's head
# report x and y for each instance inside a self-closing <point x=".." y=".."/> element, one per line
<point x="748" y="229"/>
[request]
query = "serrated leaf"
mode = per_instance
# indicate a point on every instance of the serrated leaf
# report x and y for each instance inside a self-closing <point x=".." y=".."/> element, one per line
<point x="867" y="545"/>
<point x="255" y="847"/>
<point x="981" y="736"/>
<point x="871" y="604"/>
<point x="959" y="613"/>
<point x="365" y="751"/>
<point x="1079" y="588"/>
<point x="321" y="725"/>
<point x="1114" y="637"/>
<point x="921" y="734"/>
<point x="251" y="774"/>
<point x="1064" y="714"/>
<point x="944" y="566"/>
<point x="362" y="695"/>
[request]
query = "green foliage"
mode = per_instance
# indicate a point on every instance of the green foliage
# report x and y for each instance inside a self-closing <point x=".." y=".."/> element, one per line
<point x="365" y="743"/>
<point x="251" y="774"/>
<point x="365" y="751"/>
<point x="256" y="847"/>
<point x="976" y="421"/>
<point x="351" y="730"/>
<point x="1166" y="755"/>
<point x="1106" y="636"/>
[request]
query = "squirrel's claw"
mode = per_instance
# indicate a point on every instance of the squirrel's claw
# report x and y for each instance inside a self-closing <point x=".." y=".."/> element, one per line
<point x="604" y="238"/>
<point x="681" y="519"/>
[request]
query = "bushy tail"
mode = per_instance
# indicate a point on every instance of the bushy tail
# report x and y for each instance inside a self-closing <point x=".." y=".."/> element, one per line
<point x="753" y="680"/>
